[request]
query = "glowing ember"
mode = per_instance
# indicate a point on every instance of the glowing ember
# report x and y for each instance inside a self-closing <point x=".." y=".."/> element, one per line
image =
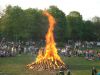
<point x="48" y="59"/>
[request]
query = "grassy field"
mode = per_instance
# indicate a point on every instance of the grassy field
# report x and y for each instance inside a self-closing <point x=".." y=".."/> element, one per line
<point x="17" y="65"/>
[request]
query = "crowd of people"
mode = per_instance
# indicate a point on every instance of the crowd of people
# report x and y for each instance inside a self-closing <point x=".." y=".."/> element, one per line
<point x="9" y="49"/>
<point x="14" y="48"/>
<point x="17" y="48"/>
<point x="88" y="53"/>
<point x="81" y="50"/>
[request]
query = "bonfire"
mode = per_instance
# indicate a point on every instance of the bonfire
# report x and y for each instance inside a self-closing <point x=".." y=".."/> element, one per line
<point x="48" y="59"/>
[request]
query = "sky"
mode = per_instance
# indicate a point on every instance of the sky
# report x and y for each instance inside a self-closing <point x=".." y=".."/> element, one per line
<point x="87" y="8"/>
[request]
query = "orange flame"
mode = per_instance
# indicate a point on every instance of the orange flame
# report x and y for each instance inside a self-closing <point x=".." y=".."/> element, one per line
<point x="51" y="50"/>
<point x="51" y="55"/>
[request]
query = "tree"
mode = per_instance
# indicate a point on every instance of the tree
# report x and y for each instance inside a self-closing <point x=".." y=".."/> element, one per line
<point x="36" y="23"/>
<point x="96" y="26"/>
<point x="89" y="32"/>
<point x="96" y="19"/>
<point x="15" y="22"/>
<point x="61" y="23"/>
<point x="23" y="24"/>
<point x="75" y="25"/>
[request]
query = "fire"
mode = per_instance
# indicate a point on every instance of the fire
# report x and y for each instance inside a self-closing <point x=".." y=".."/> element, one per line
<point x="48" y="59"/>
<point x="51" y="50"/>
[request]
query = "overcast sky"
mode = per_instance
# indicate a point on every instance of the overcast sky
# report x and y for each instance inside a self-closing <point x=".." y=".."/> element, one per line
<point x="87" y="8"/>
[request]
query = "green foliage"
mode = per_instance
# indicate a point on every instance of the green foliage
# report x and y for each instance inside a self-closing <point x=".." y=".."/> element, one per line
<point x="36" y="23"/>
<point x="89" y="33"/>
<point x="61" y="23"/>
<point x="23" y="24"/>
<point x="96" y="27"/>
<point x="13" y="21"/>
<point x="16" y="23"/>
<point x="75" y="25"/>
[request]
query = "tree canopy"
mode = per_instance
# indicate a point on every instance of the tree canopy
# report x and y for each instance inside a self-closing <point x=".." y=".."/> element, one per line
<point x="17" y="23"/>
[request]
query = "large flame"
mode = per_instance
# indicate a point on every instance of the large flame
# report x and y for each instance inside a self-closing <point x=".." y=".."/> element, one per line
<point x="51" y="50"/>
<point x="50" y="56"/>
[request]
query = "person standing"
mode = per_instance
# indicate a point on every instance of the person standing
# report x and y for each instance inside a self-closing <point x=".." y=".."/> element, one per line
<point x="94" y="71"/>
<point x="61" y="72"/>
<point x="68" y="70"/>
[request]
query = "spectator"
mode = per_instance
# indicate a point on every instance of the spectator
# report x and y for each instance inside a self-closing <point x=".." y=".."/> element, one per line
<point x="94" y="71"/>
<point x="98" y="55"/>
<point x="68" y="70"/>
<point x="61" y="72"/>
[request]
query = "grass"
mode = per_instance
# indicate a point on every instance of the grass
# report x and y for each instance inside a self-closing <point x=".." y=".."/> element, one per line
<point x="17" y="65"/>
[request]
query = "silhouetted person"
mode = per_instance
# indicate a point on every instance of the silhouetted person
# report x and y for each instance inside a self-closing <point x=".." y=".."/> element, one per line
<point x="68" y="72"/>
<point x="61" y="72"/>
<point x="94" y="71"/>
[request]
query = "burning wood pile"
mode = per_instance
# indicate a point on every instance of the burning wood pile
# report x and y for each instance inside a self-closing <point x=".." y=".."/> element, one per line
<point x="48" y="59"/>
<point x="46" y="64"/>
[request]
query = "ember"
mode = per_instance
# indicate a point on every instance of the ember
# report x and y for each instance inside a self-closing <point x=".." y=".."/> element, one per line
<point x="48" y="59"/>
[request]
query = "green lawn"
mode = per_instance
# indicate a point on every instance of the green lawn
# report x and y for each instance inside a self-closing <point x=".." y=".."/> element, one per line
<point x="17" y="65"/>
